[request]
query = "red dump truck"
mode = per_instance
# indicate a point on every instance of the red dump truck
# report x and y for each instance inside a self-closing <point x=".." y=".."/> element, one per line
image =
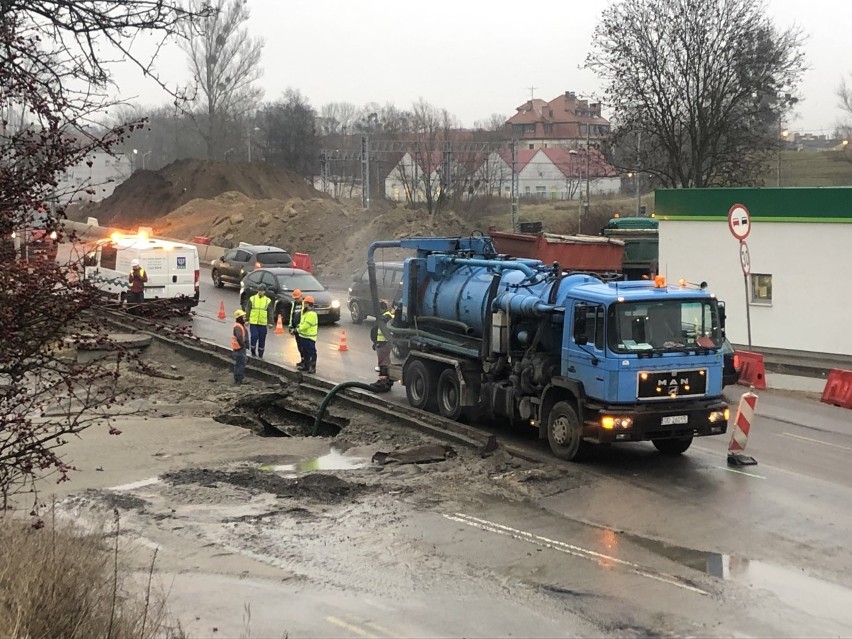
<point x="587" y="253"/>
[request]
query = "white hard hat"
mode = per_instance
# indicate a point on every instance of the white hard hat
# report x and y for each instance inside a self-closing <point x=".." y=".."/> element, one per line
<point x="134" y="263"/>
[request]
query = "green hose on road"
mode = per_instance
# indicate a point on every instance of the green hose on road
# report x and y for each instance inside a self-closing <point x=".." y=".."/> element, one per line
<point x="327" y="399"/>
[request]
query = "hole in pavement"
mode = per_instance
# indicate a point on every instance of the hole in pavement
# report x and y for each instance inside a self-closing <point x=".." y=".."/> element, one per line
<point x="277" y="414"/>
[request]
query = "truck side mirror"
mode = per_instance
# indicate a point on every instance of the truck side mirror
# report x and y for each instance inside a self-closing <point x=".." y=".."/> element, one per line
<point x="723" y="315"/>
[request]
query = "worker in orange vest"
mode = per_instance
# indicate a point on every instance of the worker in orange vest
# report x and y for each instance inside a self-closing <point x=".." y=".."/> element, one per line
<point x="239" y="344"/>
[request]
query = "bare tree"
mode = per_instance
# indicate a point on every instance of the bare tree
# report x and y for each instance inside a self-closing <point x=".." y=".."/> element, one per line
<point x="337" y="118"/>
<point x="288" y="135"/>
<point x="225" y="65"/>
<point x="705" y="82"/>
<point x="495" y="122"/>
<point x="53" y="69"/>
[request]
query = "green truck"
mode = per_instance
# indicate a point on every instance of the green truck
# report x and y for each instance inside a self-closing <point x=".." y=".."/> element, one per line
<point x="641" y="244"/>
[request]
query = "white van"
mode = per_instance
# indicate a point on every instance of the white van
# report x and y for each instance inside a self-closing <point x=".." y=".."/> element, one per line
<point x="172" y="268"/>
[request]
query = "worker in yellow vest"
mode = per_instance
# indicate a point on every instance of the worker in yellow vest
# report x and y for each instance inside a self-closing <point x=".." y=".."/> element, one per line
<point x="382" y="346"/>
<point x="296" y="309"/>
<point x="259" y="313"/>
<point x="307" y="331"/>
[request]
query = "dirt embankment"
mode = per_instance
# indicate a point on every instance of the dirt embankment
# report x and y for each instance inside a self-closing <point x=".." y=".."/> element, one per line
<point x="259" y="204"/>
<point x="148" y="195"/>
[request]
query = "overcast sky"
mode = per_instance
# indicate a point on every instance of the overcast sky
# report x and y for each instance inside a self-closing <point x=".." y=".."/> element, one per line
<point x="474" y="57"/>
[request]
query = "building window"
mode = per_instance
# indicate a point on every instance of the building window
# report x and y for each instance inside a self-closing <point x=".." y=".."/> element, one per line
<point x="526" y="190"/>
<point x="532" y="146"/>
<point x="541" y="192"/>
<point x="761" y="288"/>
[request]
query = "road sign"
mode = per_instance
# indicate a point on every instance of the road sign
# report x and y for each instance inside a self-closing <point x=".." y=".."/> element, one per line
<point x="745" y="258"/>
<point x="739" y="221"/>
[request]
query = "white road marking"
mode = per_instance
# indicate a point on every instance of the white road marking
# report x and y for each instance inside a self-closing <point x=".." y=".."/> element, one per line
<point x="812" y="441"/>
<point x="570" y="549"/>
<point x="740" y="472"/>
<point x="137" y="484"/>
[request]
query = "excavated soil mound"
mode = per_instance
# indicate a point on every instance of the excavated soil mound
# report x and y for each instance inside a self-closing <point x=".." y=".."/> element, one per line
<point x="148" y="195"/>
<point x="335" y="234"/>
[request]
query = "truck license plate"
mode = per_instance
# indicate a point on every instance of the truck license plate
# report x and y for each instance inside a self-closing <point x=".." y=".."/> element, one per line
<point x="675" y="419"/>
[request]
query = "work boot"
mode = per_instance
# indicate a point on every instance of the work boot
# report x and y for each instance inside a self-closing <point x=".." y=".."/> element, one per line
<point x="311" y="367"/>
<point x="300" y="366"/>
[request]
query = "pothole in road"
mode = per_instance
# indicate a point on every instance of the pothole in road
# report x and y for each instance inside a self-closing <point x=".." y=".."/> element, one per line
<point x="280" y="414"/>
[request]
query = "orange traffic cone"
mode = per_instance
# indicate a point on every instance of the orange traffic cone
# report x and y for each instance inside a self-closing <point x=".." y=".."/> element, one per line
<point x="279" y="327"/>
<point x="343" y="346"/>
<point x="221" y="314"/>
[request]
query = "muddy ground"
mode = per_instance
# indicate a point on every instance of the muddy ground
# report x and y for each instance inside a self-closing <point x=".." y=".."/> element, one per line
<point x="240" y="513"/>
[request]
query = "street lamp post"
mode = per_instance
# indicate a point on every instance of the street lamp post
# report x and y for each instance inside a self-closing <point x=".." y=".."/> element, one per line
<point x="782" y="138"/>
<point x="250" y="129"/>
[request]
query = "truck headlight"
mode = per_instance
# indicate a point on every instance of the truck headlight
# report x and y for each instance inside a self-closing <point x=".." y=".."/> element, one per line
<point x="719" y="415"/>
<point x="610" y="422"/>
<point x="335" y="304"/>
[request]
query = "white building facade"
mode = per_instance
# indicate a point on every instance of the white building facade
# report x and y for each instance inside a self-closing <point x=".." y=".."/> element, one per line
<point x="797" y="292"/>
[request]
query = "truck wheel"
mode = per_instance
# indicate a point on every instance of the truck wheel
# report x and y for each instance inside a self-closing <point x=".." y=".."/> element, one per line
<point x="217" y="280"/>
<point x="449" y="395"/>
<point x="420" y="385"/>
<point x="672" y="446"/>
<point x="356" y="311"/>
<point x="565" y="434"/>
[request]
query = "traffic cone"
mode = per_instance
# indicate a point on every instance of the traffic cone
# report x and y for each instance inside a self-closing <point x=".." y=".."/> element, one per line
<point x="279" y="327"/>
<point x="343" y="346"/>
<point x="221" y="314"/>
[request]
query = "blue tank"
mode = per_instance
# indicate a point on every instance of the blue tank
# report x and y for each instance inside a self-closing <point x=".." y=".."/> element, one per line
<point x="459" y="292"/>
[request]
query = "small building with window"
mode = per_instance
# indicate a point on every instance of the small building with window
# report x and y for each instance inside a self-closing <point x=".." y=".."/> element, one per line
<point x="798" y="252"/>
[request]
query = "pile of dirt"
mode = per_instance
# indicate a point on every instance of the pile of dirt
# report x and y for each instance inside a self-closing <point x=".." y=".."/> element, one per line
<point x="335" y="234"/>
<point x="148" y="195"/>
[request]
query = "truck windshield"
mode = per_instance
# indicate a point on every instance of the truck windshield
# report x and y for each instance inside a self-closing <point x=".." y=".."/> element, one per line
<point x="661" y="326"/>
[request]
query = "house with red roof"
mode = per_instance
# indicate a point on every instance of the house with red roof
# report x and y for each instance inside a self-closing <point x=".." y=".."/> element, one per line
<point x="554" y="173"/>
<point x="563" y="121"/>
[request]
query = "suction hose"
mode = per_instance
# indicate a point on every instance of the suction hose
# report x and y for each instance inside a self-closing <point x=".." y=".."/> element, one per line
<point x="327" y="400"/>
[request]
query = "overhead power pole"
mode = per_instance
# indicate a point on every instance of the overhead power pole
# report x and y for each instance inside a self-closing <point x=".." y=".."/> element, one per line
<point x="515" y="185"/>
<point x="365" y="171"/>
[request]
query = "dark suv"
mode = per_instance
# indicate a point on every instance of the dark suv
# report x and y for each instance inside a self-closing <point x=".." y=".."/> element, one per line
<point x="236" y="263"/>
<point x="388" y="278"/>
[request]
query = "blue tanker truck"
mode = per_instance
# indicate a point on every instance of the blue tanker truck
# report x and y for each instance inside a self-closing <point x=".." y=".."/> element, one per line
<point x="489" y="337"/>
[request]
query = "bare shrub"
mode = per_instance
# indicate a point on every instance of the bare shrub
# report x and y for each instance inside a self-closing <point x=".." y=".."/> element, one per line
<point x="69" y="582"/>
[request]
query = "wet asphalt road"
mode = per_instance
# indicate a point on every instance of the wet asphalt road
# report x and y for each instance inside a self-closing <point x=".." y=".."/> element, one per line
<point x="776" y="534"/>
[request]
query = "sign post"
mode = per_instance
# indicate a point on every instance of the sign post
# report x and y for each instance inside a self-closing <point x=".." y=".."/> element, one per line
<point x="739" y="223"/>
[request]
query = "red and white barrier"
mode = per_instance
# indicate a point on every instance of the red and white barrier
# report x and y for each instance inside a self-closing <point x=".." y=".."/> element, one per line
<point x="739" y="433"/>
<point x="838" y="389"/>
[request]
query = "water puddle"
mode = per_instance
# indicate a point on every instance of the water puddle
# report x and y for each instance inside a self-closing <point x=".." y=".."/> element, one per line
<point x="793" y="586"/>
<point x="333" y="460"/>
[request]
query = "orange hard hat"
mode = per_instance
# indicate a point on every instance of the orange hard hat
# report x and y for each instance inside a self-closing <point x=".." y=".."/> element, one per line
<point x="297" y="294"/>
<point x="309" y="299"/>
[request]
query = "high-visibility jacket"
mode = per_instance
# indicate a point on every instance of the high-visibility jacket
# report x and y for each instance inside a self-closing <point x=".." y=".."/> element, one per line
<point x="137" y="280"/>
<point x="308" y="325"/>
<point x="238" y="344"/>
<point x="259" y="309"/>
<point x="296" y="310"/>
<point x="380" y="336"/>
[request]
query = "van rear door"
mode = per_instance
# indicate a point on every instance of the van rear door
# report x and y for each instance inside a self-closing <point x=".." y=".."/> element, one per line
<point x="183" y="272"/>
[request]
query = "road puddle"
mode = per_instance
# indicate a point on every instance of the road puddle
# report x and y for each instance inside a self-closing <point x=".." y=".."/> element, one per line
<point x="793" y="586"/>
<point x="333" y="460"/>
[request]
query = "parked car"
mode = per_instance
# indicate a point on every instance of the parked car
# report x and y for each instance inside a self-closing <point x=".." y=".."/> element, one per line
<point x="388" y="280"/>
<point x="731" y="371"/>
<point x="280" y="284"/>
<point x="236" y="263"/>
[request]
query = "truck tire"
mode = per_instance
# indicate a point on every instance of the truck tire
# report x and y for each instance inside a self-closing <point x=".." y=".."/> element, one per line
<point x="217" y="279"/>
<point x="420" y="385"/>
<point x="565" y="433"/>
<point x="356" y="312"/>
<point x="674" y="446"/>
<point x="449" y="395"/>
